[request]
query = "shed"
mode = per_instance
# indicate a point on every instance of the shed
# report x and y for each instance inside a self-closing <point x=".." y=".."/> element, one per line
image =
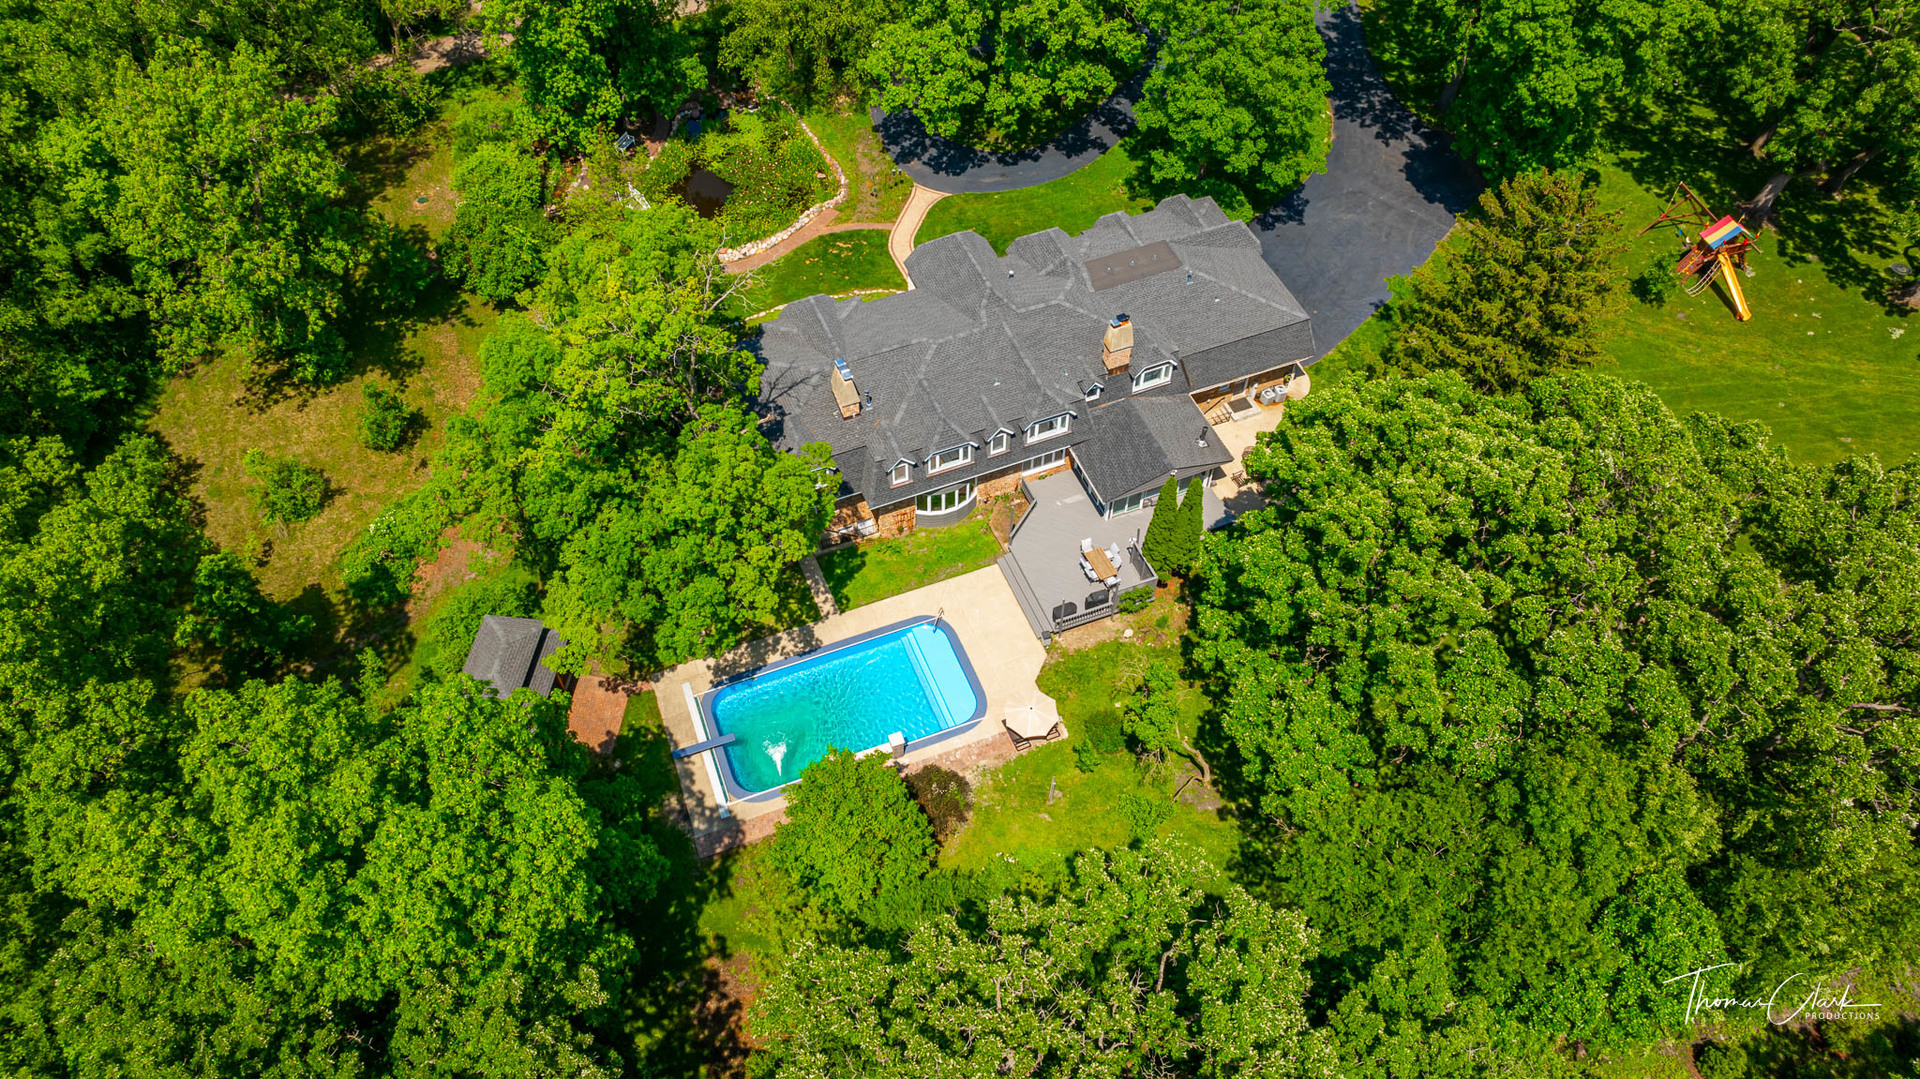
<point x="509" y="653"/>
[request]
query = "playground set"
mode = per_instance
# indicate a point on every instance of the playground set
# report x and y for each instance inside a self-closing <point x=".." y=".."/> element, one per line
<point x="1721" y="247"/>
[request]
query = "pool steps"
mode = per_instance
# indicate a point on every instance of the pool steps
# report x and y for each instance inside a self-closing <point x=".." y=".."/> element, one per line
<point x="918" y="659"/>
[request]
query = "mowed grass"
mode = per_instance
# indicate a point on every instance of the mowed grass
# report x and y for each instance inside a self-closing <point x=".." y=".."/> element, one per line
<point x="876" y="189"/>
<point x="1073" y="202"/>
<point x="1039" y="809"/>
<point x="214" y="415"/>
<point x="836" y="263"/>
<point x="877" y="569"/>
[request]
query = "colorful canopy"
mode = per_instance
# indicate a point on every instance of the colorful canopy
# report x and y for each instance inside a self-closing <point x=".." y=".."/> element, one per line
<point x="1721" y="231"/>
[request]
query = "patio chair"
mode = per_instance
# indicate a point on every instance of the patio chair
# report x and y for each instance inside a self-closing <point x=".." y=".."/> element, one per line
<point x="1086" y="567"/>
<point x="1086" y="545"/>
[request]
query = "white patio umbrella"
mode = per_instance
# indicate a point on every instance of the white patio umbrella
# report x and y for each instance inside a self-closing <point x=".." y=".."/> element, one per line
<point x="1032" y="715"/>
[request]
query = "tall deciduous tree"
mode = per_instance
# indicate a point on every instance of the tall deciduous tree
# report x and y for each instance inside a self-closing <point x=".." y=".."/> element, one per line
<point x="1128" y="968"/>
<point x="807" y="49"/>
<point x="227" y="199"/>
<point x="1522" y="291"/>
<point x="1237" y="95"/>
<point x="853" y="832"/>
<point x="1009" y="72"/>
<point x="586" y="64"/>
<point x="1526" y="84"/>
<point x="1622" y="667"/>
<point x="499" y="236"/>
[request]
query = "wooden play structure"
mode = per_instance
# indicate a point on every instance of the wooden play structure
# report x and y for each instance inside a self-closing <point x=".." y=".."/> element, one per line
<point x="1719" y="247"/>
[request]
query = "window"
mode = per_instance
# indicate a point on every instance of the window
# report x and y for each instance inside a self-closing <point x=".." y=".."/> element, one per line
<point x="998" y="443"/>
<point x="902" y="472"/>
<point x="1153" y="376"/>
<point x="1130" y="503"/>
<point x="947" y="501"/>
<point x="1049" y="427"/>
<point x="1044" y="461"/>
<point x="1093" y="392"/>
<point x="953" y="458"/>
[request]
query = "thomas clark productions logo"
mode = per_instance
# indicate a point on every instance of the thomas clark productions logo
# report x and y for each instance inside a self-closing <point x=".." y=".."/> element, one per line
<point x="1794" y="998"/>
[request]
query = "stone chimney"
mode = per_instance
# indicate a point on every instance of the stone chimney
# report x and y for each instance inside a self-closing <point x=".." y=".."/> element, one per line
<point x="844" y="393"/>
<point x="1116" y="346"/>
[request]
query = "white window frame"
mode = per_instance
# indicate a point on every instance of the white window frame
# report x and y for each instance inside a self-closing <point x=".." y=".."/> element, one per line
<point x="1158" y="375"/>
<point x="1043" y="462"/>
<point x="967" y="493"/>
<point x="935" y="465"/>
<point x="1093" y="392"/>
<point x="1140" y="501"/>
<point x="1064" y="419"/>
<point x="998" y="444"/>
<point x="902" y="474"/>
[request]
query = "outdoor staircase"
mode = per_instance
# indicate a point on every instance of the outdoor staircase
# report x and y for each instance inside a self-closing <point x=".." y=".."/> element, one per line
<point x="1030" y="604"/>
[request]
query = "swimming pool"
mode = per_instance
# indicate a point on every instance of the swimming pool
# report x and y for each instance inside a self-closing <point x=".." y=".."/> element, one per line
<point x="912" y="679"/>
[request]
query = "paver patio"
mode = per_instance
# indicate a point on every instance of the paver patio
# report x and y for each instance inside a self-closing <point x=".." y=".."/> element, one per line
<point x="980" y="609"/>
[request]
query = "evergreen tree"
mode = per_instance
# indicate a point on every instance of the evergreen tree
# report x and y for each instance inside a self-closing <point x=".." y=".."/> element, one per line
<point x="1161" y="547"/>
<point x="1193" y="524"/>
<point x="1524" y="289"/>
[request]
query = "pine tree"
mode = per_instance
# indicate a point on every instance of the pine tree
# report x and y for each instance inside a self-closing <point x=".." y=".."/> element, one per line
<point x="1162" y="543"/>
<point x="1523" y="291"/>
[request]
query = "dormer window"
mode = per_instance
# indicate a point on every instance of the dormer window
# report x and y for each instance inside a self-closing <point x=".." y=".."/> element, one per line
<point x="1153" y="376"/>
<point x="953" y="458"/>
<point x="998" y="443"/>
<point x="1050" y="427"/>
<point x="1093" y="392"/>
<point x="902" y="472"/>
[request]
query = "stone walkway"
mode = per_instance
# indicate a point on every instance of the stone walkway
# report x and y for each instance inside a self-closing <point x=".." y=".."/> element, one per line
<point x="817" y="584"/>
<point x="900" y="240"/>
<point x="819" y="226"/>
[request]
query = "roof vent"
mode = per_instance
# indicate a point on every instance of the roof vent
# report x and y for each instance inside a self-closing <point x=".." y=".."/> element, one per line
<point x="844" y="393"/>
<point x="1116" y="345"/>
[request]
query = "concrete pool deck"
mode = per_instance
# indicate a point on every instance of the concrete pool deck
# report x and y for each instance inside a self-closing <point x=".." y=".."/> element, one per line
<point x="980" y="609"/>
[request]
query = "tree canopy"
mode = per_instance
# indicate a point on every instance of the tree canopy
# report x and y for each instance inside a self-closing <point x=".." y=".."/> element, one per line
<point x="853" y="833"/>
<point x="1237" y="96"/>
<point x="1552" y="697"/>
<point x="1125" y="968"/>
<point x="1009" y="72"/>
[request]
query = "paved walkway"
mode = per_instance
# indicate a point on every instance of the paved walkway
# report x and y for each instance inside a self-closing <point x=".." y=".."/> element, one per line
<point x="978" y="606"/>
<point x="817" y="584"/>
<point x="907" y="225"/>
<point x="819" y="226"/>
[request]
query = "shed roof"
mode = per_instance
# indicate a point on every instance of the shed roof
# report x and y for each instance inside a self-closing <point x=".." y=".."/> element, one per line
<point x="509" y="653"/>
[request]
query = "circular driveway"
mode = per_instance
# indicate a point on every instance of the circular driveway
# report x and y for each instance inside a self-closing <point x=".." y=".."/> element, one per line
<point x="1389" y="193"/>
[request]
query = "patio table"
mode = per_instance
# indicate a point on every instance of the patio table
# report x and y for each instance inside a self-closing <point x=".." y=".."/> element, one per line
<point x="1102" y="565"/>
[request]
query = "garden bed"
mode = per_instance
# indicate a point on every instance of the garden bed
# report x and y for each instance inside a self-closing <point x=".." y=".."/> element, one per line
<point x="775" y="171"/>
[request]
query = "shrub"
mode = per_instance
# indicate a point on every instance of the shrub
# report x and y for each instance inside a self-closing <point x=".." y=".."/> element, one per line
<point x="1656" y="284"/>
<point x="289" y="491"/>
<point x="1137" y="600"/>
<point x="852" y="833"/>
<point x="945" y="795"/>
<point x="386" y="421"/>
<point x="1145" y="812"/>
<point x="673" y="166"/>
<point x="1718" y="1060"/>
<point x="486" y="122"/>
<point x="378" y="566"/>
<point x="500" y="235"/>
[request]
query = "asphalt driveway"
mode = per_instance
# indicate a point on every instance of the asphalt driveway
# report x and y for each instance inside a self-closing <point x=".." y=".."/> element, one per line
<point x="1390" y="191"/>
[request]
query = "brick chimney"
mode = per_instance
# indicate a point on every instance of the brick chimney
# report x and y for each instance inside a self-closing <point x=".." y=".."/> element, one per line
<point x="844" y="393"/>
<point x="1116" y="345"/>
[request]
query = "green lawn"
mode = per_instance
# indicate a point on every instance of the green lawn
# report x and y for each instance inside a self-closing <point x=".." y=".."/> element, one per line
<point x="880" y="568"/>
<point x="876" y="189"/>
<point x="835" y="264"/>
<point x="1073" y="202"/>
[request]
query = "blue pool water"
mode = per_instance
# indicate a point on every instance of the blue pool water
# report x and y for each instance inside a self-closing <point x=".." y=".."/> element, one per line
<point x="910" y="680"/>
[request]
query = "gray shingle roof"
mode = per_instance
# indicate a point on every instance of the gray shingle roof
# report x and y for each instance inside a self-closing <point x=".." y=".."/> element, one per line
<point x="1137" y="442"/>
<point x="984" y="342"/>
<point x="509" y="653"/>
